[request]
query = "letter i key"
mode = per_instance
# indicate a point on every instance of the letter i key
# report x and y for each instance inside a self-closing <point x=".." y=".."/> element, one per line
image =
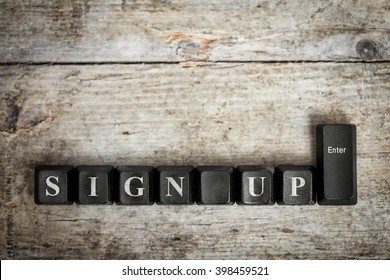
<point x="95" y="184"/>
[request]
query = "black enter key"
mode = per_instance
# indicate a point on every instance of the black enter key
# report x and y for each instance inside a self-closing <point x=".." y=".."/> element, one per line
<point x="336" y="164"/>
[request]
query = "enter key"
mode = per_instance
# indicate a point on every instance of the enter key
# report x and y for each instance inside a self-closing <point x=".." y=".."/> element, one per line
<point x="336" y="164"/>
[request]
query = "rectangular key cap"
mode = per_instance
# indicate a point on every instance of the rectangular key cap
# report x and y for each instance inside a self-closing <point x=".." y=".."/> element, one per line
<point x="336" y="164"/>
<point x="176" y="185"/>
<point x="216" y="185"/>
<point x="135" y="185"/>
<point x="53" y="184"/>
<point x="95" y="184"/>
<point x="295" y="184"/>
<point x="255" y="185"/>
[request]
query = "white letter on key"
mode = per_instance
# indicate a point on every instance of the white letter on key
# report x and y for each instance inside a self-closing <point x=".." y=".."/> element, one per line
<point x="140" y="191"/>
<point x="178" y="188"/>
<point x="295" y="185"/>
<point x="52" y="185"/>
<point x="252" y="186"/>
<point x="93" y="186"/>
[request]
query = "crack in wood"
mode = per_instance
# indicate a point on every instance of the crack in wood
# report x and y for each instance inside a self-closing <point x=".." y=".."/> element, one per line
<point x="10" y="234"/>
<point x="9" y="222"/>
<point x="90" y="63"/>
<point x="16" y="128"/>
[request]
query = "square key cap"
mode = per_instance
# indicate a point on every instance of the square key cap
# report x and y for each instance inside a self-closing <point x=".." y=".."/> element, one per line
<point x="135" y="185"/>
<point x="53" y="184"/>
<point x="176" y="184"/>
<point x="95" y="183"/>
<point x="216" y="185"/>
<point x="295" y="184"/>
<point x="255" y="185"/>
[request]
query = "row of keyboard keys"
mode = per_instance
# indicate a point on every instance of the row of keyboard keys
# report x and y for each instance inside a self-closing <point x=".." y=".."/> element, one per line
<point x="336" y="181"/>
<point x="144" y="185"/>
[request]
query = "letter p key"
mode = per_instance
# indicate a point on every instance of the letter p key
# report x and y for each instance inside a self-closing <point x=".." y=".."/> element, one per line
<point x="295" y="184"/>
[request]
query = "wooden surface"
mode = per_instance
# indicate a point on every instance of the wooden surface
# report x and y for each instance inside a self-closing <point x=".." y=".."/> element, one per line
<point x="218" y="30"/>
<point x="191" y="82"/>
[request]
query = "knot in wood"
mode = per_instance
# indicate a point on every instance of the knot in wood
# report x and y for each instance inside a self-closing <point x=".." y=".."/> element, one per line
<point x="367" y="50"/>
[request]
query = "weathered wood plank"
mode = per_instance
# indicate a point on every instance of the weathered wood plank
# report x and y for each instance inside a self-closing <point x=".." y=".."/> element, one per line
<point x="196" y="114"/>
<point x="139" y="31"/>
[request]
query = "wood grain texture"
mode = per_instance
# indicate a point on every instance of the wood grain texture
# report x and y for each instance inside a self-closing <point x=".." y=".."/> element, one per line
<point x="147" y="30"/>
<point x="193" y="113"/>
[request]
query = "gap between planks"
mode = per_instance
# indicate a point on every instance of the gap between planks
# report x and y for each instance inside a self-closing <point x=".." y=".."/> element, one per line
<point x="49" y="63"/>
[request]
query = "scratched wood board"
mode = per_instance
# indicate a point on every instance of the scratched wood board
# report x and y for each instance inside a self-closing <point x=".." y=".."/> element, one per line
<point x="191" y="113"/>
<point x="225" y="82"/>
<point x="218" y="30"/>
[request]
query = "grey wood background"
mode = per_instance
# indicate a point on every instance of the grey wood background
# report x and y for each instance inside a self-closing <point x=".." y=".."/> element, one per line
<point x="191" y="82"/>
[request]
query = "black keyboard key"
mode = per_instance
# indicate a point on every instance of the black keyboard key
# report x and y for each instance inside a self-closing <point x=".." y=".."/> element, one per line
<point x="255" y="185"/>
<point x="295" y="184"/>
<point x="95" y="184"/>
<point x="216" y="185"/>
<point x="53" y="184"/>
<point x="336" y="164"/>
<point x="135" y="185"/>
<point x="176" y="185"/>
